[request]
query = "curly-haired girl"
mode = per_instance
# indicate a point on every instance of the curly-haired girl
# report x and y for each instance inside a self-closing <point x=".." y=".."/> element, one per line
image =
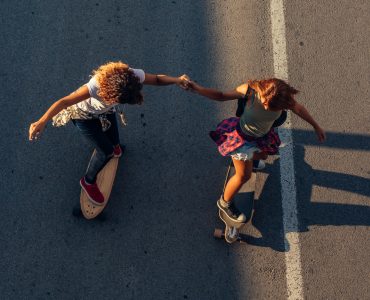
<point x="92" y="110"/>
<point x="252" y="136"/>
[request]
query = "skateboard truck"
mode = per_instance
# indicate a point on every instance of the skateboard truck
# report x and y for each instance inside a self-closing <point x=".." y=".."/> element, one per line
<point x="231" y="232"/>
<point x="231" y="235"/>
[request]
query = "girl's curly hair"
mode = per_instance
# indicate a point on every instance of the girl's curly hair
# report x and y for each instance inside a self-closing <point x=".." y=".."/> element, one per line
<point x="278" y="93"/>
<point x="118" y="84"/>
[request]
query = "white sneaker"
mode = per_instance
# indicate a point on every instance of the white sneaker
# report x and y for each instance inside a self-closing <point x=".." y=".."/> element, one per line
<point x="258" y="165"/>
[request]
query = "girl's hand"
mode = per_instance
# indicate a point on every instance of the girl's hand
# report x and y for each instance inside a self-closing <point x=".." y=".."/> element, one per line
<point x="193" y="86"/>
<point x="36" y="129"/>
<point x="320" y="134"/>
<point x="184" y="82"/>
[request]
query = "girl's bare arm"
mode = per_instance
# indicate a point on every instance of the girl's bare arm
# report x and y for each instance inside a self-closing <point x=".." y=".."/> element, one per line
<point x="79" y="95"/>
<point x="303" y="113"/>
<point x="153" y="79"/>
<point x="218" y="95"/>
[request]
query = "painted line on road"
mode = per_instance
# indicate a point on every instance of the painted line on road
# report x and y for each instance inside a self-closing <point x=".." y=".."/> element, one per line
<point x="287" y="178"/>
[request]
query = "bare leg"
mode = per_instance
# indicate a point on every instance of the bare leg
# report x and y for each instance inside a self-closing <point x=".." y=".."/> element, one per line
<point x="243" y="171"/>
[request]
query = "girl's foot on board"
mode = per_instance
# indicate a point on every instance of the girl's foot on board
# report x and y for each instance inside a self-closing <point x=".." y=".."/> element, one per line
<point x="231" y="211"/>
<point x="92" y="191"/>
<point x="118" y="150"/>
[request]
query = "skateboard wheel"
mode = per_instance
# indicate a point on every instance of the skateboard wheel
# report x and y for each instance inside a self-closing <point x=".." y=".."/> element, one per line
<point x="77" y="211"/>
<point x="218" y="233"/>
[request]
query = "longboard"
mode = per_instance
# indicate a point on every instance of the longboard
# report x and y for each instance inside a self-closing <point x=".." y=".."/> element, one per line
<point x="105" y="180"/>
<point x="244" y="201"/>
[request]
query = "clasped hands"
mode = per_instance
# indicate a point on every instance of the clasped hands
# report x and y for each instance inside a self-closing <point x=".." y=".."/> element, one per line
<point x="186" y="83"/>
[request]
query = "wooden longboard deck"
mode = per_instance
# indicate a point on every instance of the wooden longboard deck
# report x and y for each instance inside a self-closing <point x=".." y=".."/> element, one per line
<point x="105" y="182"/>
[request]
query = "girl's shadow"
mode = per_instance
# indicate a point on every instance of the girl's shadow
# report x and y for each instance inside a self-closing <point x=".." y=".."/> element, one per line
<point x="268" y="209"/>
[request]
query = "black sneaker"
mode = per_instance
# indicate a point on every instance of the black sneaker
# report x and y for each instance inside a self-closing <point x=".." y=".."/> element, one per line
<point x="232" y="212"/>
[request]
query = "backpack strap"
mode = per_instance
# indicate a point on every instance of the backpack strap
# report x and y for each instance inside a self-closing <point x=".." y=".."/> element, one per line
<point x="281" y="120"/>
<point x="242" y="102"/>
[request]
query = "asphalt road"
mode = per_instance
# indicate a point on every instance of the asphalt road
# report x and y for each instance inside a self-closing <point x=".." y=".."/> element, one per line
<point x="155" y="240"/>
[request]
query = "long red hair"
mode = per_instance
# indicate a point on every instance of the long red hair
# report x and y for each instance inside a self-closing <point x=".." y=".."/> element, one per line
<point x="278" y="93"/>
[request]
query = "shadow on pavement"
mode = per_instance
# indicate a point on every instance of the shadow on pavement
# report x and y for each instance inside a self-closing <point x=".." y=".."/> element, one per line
<point x="268" y="209"/>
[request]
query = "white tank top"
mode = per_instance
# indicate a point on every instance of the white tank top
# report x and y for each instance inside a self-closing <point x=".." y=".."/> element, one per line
<point x="95" y="105"/>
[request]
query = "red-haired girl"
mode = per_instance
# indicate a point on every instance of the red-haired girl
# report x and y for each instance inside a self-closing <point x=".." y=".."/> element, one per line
<point x="252" y="137"/>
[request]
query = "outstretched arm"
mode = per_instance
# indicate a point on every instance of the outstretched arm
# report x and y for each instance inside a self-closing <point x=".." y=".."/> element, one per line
<point x="303" y="113"/>
<point x="217" y="95"/>
<point x="38" y="127"/>
<point x="153" y="79"/>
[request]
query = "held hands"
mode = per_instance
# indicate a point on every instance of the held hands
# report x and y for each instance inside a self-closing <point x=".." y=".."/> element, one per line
<point x="184" y="82"/>
<point x="187" y="84"/>
<point x="35" y="130"/>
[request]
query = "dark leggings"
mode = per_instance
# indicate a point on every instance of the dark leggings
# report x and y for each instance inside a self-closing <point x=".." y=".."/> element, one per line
<point x="103" y="142"/>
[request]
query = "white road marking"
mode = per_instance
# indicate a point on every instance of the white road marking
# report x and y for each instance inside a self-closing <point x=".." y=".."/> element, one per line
<point x="287" y="179"/>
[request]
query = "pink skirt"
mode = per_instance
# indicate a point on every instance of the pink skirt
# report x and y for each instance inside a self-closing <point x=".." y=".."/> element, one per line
<point x="228" y="136"/>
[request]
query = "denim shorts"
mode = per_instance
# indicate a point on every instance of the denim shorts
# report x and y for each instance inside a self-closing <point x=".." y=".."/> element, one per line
<point x="245" y="152"/>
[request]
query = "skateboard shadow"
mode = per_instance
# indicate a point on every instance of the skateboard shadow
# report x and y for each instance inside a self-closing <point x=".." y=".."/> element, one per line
<point x="268" y="216"/>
